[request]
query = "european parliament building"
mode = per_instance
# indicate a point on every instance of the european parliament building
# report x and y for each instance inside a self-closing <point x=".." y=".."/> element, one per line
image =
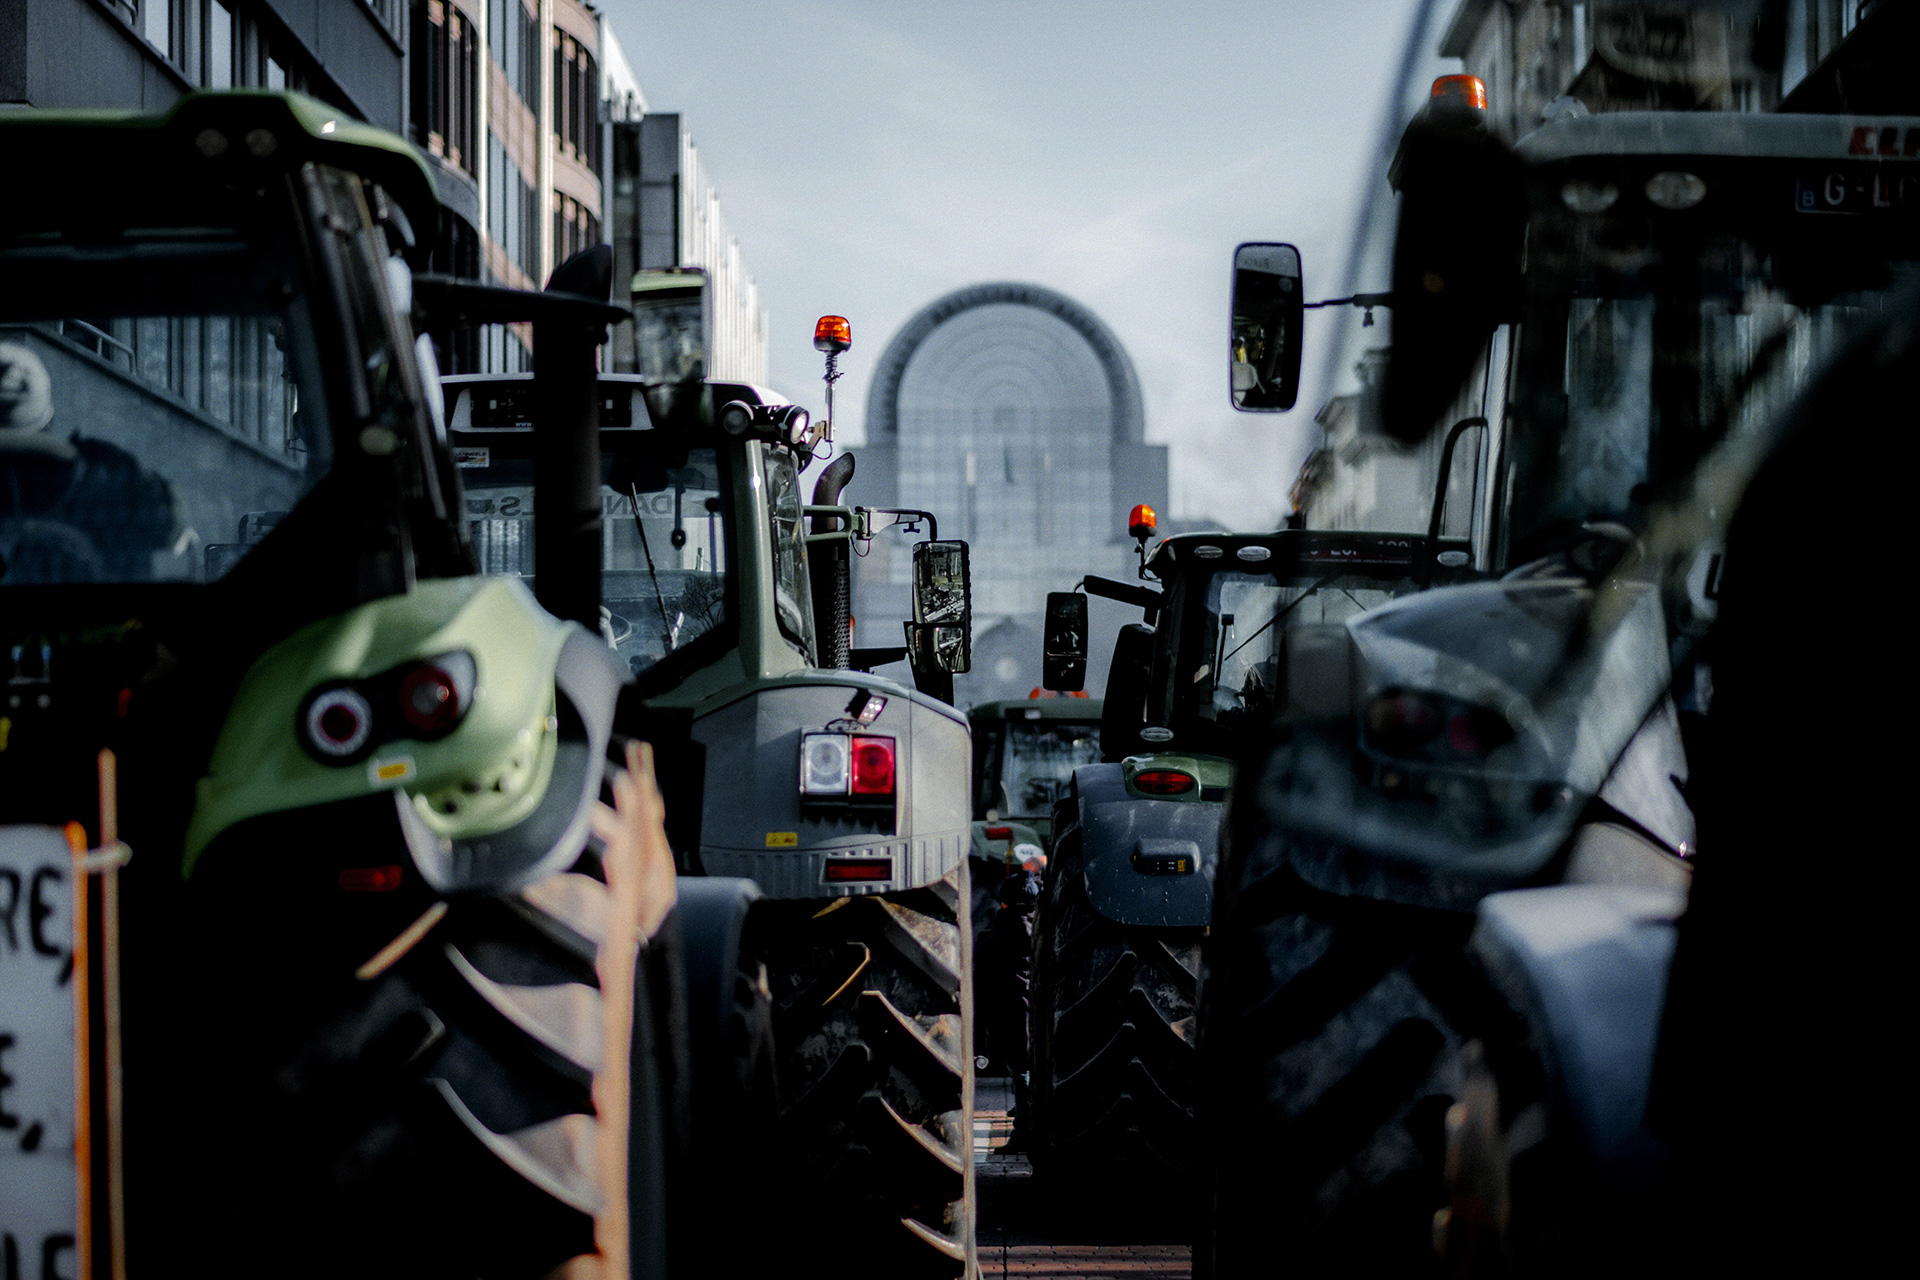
<point x="1013" y="414"/>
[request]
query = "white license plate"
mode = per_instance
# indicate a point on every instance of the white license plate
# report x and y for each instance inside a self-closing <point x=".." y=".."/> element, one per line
<point x="38" y="1199"/>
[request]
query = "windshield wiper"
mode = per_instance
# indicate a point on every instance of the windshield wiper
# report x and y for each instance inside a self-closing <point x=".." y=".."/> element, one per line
<point x="1275" y="618"/>
<point x="666" y="625"/>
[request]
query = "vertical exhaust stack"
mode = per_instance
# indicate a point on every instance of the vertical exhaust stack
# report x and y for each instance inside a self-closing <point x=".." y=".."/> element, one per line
<point x="566" y="448"/>
<point x="832" y="569"/>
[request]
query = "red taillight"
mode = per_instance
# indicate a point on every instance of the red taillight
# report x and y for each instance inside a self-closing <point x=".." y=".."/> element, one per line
<point x="429" y="699"/>
<point x="1163" y="782"/>
<point x="847" y="870"/>
<point x="1477" y="732"/>
<point x="1401" y="722"/>
<point x="999" y="833"/>
<point x="1405" y="722"/>
<point x="872" y="766"/>
<point x="370" y="879"/>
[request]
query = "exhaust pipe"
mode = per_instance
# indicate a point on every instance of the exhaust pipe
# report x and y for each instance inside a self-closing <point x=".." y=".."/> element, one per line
<point x="831" y="569"/>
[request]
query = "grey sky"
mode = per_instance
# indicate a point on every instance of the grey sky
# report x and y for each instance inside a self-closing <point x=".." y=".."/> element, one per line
<point x="873" y="156"/>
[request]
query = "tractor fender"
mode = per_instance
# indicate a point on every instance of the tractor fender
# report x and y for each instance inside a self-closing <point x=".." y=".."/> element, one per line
<point x="1586" y="966"/>
<point x="1126" y="840"/>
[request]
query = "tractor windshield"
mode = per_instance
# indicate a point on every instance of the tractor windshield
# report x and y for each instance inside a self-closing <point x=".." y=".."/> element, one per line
<point x="151" y="432"/>
<point x="665" y="543"/>
<point x="1652" y="333"/>
<point x="1235" y="637"/>
<point x="1030" y="763"/>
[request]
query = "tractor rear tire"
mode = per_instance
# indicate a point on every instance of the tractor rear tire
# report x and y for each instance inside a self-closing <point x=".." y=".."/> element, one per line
<point x="1332" y="1031"/>
<point x="461" y="1105"/>
<point x="872" y="1027"/>
<point x="985" y="875"/>
<point x="1113" y="1029"/>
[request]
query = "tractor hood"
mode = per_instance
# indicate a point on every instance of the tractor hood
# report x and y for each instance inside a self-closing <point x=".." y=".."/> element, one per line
<point x="1486" y="716"/>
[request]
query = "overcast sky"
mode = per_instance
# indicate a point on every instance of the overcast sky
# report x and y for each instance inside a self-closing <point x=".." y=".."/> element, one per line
<point x="872" y="156"/>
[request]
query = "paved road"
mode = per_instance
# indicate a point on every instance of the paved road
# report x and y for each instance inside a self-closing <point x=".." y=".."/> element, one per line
<point x="1023" y="1235"/>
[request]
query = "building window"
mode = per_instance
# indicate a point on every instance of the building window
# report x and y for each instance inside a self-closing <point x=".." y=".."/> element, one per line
<point x="515" y="42"/>
<point x="513" y="210"/>
<point x="390" y="13"/>
<point x="446" y="105"/>
<point x="574" y="228"/>
<point x="576" y="100"/>
<point x="216" y="45"/>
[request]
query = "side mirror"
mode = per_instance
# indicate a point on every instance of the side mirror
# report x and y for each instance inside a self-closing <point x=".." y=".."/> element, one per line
<point x="941" y="637"/>
<point x="1268" y="308"/>
<point x="1063" y="645"/>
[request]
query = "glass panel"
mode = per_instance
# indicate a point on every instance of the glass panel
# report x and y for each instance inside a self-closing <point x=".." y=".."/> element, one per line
<point x="1232" y="668"/>
<point x="219" y="46"/>
<point x="1038" y="763"/>
<point x="792" y="596"/>
<point x="663" y="571"/>
<point x="156" y="24"/>
<point x="106" y="477"/>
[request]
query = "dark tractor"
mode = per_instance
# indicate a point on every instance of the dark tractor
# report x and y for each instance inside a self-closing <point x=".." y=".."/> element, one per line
<point x="1467" y="1006"/>
<point x="1232" y="635"/>
<point x="1024" y="755"/>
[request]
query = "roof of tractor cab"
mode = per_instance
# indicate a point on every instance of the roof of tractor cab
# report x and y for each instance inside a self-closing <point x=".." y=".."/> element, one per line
<point x="1315" y="551"/>
<point x="171" y="168"/>
<point x="1736" y="135"/>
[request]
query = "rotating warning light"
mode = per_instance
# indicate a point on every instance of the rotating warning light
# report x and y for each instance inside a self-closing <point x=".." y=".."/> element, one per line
<point x="1141" y="522"/>
<point x="337" y="724"/>
<point x="832" y="334"/>
<point x="1461" y="91"/>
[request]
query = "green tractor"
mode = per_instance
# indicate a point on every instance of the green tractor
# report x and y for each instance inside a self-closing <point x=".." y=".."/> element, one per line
<point x="353" y="942"/>
<point x="1234" y="622"/>
<point x="840" y="794"/>
<point x="1024" y="755"/>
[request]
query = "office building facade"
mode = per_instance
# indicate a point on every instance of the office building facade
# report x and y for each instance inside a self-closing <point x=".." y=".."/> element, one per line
<point x="1013" y="414"/>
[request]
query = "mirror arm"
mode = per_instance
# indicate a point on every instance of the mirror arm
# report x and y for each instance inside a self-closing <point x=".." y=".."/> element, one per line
<point x="851" y="523"/>
<point x="1366" y="301"/>
<point x="912" y="517"/>
<point x="1125" y="592"/>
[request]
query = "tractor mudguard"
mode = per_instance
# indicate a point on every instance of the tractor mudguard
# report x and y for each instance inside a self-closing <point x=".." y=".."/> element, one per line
<point x="753" y="822"/>
<point x="498" y="801"/>
<point x="1133" y="848"/>
<point x="1586" y="966"/>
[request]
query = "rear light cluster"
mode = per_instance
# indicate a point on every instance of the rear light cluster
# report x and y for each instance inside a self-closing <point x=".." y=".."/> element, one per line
<point x="1409" y="723"/>
<point x="1163" y="782"/>
<point x="342" y="723"/>
<point x="849" y="768"/>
